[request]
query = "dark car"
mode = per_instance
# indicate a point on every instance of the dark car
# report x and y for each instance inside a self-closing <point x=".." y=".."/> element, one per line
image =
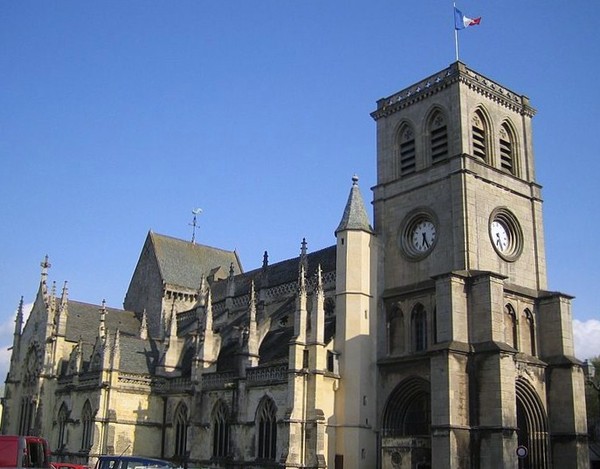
<point x="132" y="462"/>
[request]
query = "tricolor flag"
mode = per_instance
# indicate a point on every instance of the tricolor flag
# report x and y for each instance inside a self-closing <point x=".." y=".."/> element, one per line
<point x="461" y="21"/>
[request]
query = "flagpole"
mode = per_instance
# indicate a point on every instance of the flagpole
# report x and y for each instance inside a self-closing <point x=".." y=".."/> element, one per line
<point x="455" y="30"/>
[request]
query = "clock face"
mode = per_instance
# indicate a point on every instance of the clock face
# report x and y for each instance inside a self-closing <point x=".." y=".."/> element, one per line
<point x="418" y="234"/>
<point x="500" y="236"/>
<point x="506" y="234"/>
<point x="423" y="236"/>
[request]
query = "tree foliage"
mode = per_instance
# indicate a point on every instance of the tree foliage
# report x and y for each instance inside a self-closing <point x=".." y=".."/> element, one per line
<point x="592" y="399"/>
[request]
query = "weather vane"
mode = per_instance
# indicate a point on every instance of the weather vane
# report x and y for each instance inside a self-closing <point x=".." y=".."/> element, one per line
<point x="195" y="212"/>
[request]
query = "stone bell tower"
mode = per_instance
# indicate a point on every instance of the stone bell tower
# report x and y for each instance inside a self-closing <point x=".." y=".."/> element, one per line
<point x="477" y="359"/>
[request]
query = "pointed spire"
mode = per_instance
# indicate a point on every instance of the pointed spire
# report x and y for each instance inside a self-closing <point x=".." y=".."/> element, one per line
<point x="300" y="318"/>
<point x="62" y="313"/>
<point x="302" y="279"/>
<point x="303" y="256"/>
<point x="116" y="355"/>
<point x="102" y="325"/>
<point x="173" y="322"/>
<point x="64" y="296"/>
<point x="144" y="326"/>
<point x="202" y="292"/>
<point x="208" y="317"/>
<point x="19" y="319"/>
<point x="265" y="263"/>
<point x="231" y="282"/>
<point x="45" y="265"/>
<point x="52" y="302"/>
<point x="317" y="320"/>
<point x="252" y="302"/>
<point x="79" y="355"/>
<point x="355" y="215"/>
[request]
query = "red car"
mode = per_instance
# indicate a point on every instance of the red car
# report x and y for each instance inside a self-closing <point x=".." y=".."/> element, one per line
<point x="67" y="465"/>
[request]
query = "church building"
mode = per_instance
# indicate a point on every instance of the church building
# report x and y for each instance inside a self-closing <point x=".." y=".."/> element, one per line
<point x="426" y="338"/>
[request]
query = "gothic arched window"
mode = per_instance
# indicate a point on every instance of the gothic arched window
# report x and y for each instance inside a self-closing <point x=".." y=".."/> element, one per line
<point x="266" y="418"/>
<point x="181" y="428"/>
<point x="510" y="327"/>
<point x="87" y="433"/>
<point x="419" y="328"/>
<point x="507" y="149"/>
<point x="438" y="137"/>
<point x="406" y="149"/>
<point x="26" y="417"/>
<point x="479" y="133"/>
<point x="529" y="332"/>
<point x="396" y="332"/>
<point x="63" y="415"/>
<point x="220" y="431"/>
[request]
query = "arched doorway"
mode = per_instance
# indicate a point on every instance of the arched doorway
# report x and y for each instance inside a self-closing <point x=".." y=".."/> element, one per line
<point x="532" y="426"/>
<point x="406" y="429"/>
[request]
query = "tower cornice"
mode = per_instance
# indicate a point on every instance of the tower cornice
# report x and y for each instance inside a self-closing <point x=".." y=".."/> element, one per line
<point x="456" y="72"/>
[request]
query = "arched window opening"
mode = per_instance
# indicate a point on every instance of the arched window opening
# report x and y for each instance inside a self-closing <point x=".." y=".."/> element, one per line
<point x="63" y="415"/>
<point x="267" y="430"/>
<point x="438" y="132"/>
<point x="510" y="327"/>
<point x="507" y="149"/>
<point x="396" y="332"/>
<point x="419" y="328"/>
<point x="181" y="429"/>
<point x="26" y="416"/>
<point x="220" y="431"/>
<point x="529" y="333"/>
<point x="479" y="134"/>
<point x="532" y="426"/>
<point x="87" y="420"/>
<point x="407" y="150"/>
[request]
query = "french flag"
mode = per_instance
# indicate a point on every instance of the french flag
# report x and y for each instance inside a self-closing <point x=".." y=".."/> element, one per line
<point x="461" y="21"/>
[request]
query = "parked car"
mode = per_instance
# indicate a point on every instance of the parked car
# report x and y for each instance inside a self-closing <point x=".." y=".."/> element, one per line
<point x="18" y="452"/>
<point x="132" y="462"/>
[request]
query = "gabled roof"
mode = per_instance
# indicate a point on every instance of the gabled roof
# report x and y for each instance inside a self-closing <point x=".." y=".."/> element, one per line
<point x="355" y="215"/>
<point x="183" y="263"/>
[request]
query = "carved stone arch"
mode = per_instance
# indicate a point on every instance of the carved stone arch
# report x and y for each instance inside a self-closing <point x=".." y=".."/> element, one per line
<point x="404" y="145"/>
<point x="436" y="134"/>
<point x="481" y="135"/>
<point x="532" y="424"/>
<point x="401" y="416"/>
<point x="508" y="148"/>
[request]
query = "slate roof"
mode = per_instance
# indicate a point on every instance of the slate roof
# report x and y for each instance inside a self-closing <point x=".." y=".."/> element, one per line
<point x="277" y="274"/>
<point x="355" y="215"/>
<point x="183" y="263"/>
<point x="137" y="355"/>
<point x="84" y="319"/>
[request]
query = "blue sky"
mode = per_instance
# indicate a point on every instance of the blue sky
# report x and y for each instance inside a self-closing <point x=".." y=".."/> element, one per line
<point x="120" y="117"/>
